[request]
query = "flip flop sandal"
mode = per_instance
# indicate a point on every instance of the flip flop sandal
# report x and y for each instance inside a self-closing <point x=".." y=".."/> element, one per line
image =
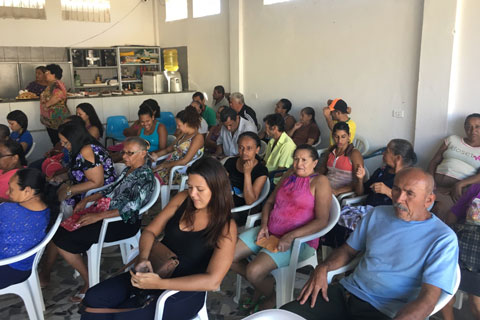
<point x="77" y="297"/>
<point x="246" y="304"/>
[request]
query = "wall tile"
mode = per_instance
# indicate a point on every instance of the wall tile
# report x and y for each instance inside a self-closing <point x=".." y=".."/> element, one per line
<point x="49" y="54"/>
<point x="37" y="54"/>
<point x="24" y="54"/>
<point x="11" y="54"/>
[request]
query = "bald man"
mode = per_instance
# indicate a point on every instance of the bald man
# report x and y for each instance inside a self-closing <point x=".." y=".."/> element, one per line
<point x="409" y="257"/>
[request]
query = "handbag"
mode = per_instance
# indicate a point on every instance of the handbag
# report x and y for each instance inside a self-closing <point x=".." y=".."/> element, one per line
<point x="164" y="262"/>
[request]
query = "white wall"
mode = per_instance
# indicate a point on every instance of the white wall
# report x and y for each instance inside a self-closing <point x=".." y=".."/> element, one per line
<point x="467" y="99"/>
<point x="363" y="51"/>
<point x="207" y="39"/>
<point x="137" y="28"/>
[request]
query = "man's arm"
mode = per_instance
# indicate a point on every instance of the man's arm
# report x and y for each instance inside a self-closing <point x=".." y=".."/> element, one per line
<point x="318" y="279"/>
<point x="421" y="307"/>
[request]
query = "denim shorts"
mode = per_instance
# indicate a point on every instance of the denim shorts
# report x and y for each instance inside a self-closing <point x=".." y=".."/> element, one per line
<point x="281" y="259"/>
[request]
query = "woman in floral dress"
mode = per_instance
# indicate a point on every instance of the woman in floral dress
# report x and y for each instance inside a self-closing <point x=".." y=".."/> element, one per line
<point x="53" y="102"/>
<point x="90" y="166"/>
<point x="187" y="147"/>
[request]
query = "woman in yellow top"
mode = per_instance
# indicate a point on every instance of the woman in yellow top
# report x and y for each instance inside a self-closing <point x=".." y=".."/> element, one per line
<point x="53" y="102"/>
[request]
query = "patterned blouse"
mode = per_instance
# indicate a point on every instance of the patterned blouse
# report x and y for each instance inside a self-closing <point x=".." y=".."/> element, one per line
<point x="53" y="116"/>
<point x="77" y="172"/>
<point x="131" y="192"/>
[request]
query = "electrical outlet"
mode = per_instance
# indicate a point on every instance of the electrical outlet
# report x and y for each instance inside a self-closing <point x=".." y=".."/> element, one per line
<point x="398" y="113"/>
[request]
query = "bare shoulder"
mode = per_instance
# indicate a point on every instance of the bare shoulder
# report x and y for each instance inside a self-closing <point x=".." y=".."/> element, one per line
<point x="320" y="181"/>
<point x="87" y="153"/>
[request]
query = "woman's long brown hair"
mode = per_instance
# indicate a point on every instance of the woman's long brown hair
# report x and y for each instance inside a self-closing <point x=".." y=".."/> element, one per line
<point x="221" y="202"/>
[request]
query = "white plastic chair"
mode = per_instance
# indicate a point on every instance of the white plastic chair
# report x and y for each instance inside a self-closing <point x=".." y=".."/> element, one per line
<point x="126" y="245"/>
<point x="317" y="144"/>
<point x="248" y="207"/>
<point x="442" y="301"/>
<point x="263" y="149"/>
<point x="274" y="314"/>
<point x="29" y="153"/>
<point x="361" y="144"/>
<point x="285" y="277"/>
<point x="202" y="314"/>
<point x="166" y="190"/>
<point x="263" y="195"/>
<point x="29" y="290"/>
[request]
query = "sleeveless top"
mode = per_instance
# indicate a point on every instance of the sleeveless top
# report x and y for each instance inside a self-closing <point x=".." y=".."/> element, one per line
<point x="180" y="150"/>
<point x="339" y="170"/>
<point x="460" y="160"/>
<point x="191" y="247"/>
<point x="294" y="207"/>
<point x="152" y="138"/>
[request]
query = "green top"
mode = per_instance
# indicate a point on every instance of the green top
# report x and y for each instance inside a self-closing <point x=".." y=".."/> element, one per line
<point x="281" y="155"/>
<point x="210" y="116"/>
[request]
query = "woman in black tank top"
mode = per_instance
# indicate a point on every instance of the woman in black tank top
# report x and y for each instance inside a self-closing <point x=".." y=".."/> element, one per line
<point x="198" y="227"/>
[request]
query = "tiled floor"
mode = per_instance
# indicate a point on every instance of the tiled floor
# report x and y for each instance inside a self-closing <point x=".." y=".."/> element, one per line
<point x="63" y="285"/>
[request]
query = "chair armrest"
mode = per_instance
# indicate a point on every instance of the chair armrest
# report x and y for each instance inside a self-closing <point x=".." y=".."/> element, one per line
<point x="251" y="219"/>
<point x="173" y="170"/>
<point x="342" y="196"/>
<point x="160" y="159"/>
<point x="375" y="153"/>
<point x="103" y="230"/>
<point x="355" y="200"/>
<point x="349" y="266"/>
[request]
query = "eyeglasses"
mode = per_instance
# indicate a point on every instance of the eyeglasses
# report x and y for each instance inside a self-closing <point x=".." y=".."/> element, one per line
<point x="6" y="155"/>
<point x="129" y="153"/>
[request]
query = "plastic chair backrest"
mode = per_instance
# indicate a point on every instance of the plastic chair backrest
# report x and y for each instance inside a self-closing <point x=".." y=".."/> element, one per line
<point x="168" y="119"/>
<point x="29" y="153"/>
<point x="116" y="125"/>
<point x="263" y="195"/>
<point x="153" y="198"/>
<point x="361" y="144"/>
<point x="274" y="314"/>
<point x="263" y="149"/>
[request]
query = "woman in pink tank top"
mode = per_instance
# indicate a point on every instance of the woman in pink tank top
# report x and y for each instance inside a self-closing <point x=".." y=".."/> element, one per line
<point x="299" y="206"/>
<point x="342" y="162"/>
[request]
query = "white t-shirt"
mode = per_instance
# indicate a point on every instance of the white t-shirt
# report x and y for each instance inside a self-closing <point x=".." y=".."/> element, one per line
<point x="203" y="127"/>
<point x="229" y="141"/>
<point x="460" y="160"/>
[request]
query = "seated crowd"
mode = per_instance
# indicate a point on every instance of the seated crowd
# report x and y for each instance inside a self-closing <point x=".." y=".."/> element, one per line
<point x="406" y="256"/>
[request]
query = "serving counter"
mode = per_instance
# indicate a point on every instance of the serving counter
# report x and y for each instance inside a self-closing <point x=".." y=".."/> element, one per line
<point x="104" y="106"/>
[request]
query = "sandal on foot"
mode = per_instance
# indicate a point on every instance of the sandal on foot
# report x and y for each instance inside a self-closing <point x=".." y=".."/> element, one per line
<point x="246" y="304"/>
<point x="256" y="307"/>
<point x="77" y="297"/>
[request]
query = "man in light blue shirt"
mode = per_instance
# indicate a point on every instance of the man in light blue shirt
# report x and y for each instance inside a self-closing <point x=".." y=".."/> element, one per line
<point x="409" y="257"/>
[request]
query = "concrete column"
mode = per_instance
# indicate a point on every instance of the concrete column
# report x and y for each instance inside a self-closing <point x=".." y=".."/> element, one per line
<point x="236" y="45"/>
<point x="435" y="88"/>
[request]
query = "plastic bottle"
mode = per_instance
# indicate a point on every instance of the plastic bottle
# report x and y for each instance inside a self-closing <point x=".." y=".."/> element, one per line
<point x="170" y="59"/>
<point x="77" y="80"/>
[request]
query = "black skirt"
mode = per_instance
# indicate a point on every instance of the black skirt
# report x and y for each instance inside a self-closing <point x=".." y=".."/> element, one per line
<point x="81" y="240"/>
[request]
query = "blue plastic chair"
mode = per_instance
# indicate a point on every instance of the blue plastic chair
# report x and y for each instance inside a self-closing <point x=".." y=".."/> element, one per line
<point x="115" y="127"/>
<point x="167" y="118"/>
